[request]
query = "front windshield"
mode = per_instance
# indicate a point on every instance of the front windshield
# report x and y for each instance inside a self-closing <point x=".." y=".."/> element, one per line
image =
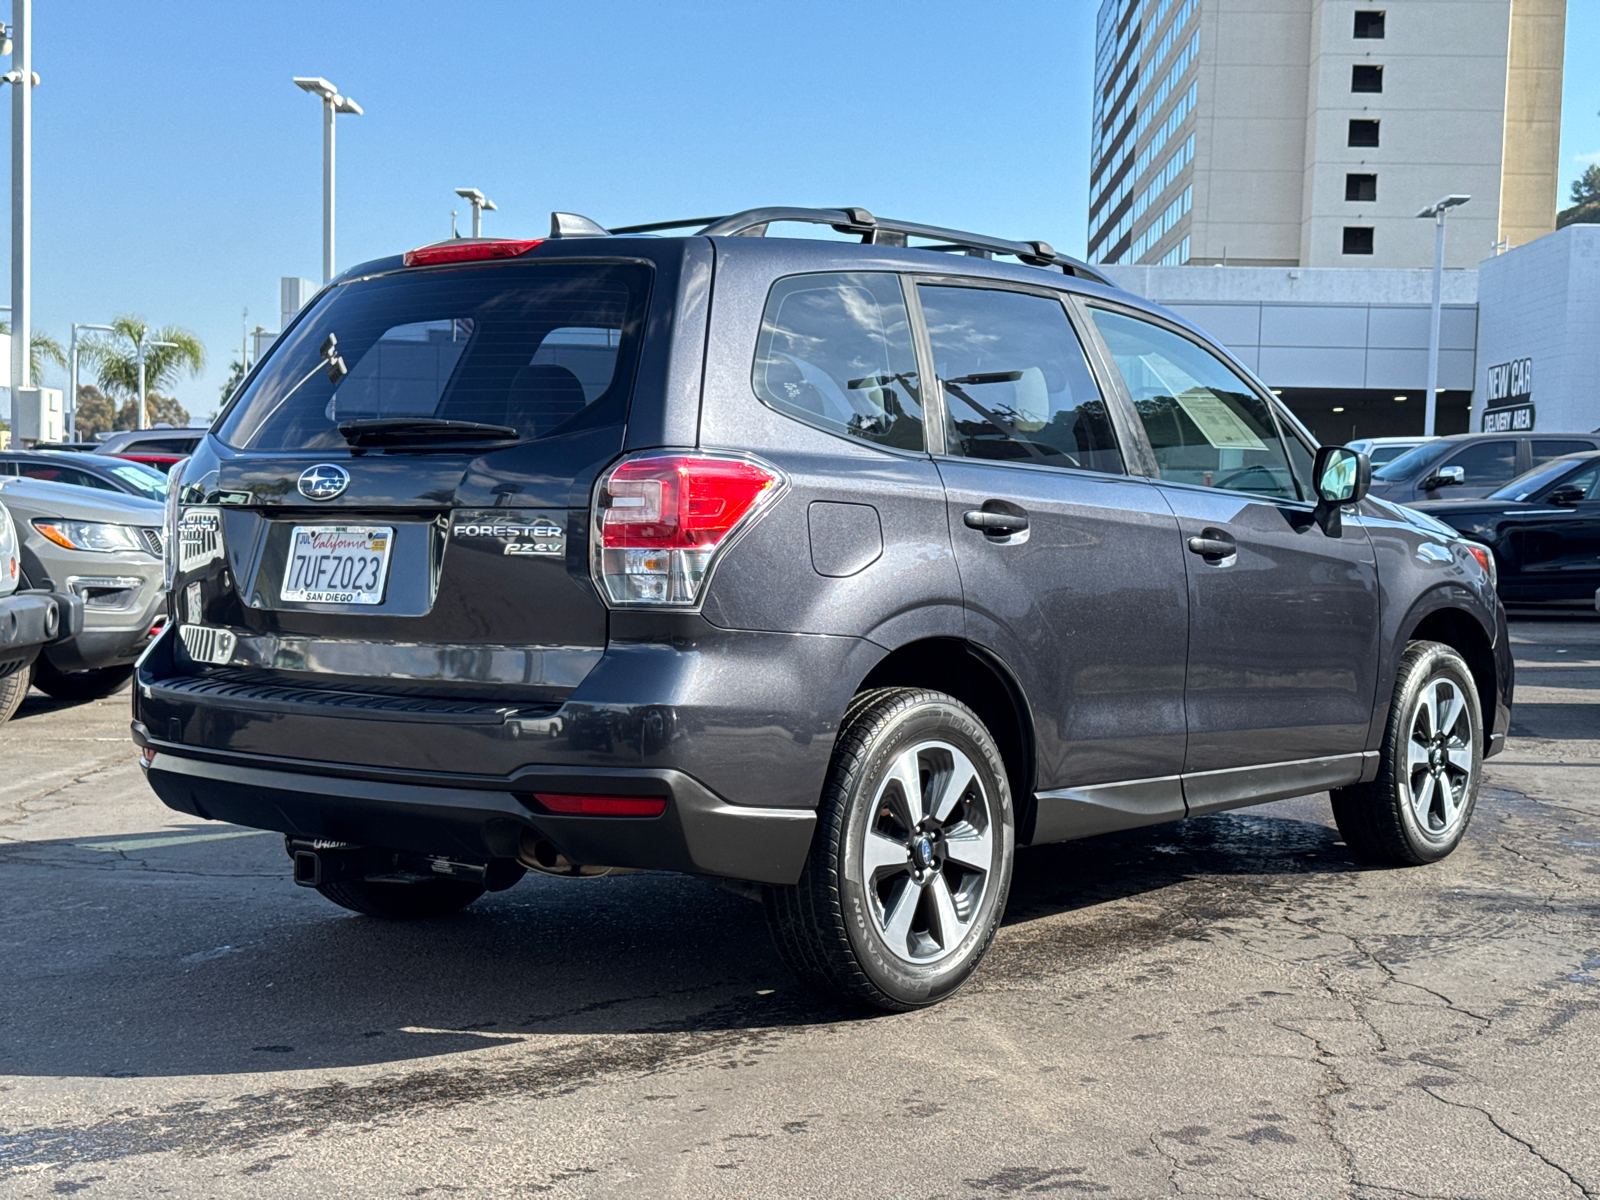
<point x="539" y="347"/>
<point x="152" y="485"/>
<point x="1413" y="461"/>
<point x="1536" y="480"/>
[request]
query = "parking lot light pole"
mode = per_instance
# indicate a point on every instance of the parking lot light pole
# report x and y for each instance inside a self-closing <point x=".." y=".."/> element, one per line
<point x="144" y="416"/>
<point x="479" y="203"/>
<point x="332" y="104"/>
<point x="72" y="383"/>
<point x="1436" y="210"/>
<point x="20" y="46"/>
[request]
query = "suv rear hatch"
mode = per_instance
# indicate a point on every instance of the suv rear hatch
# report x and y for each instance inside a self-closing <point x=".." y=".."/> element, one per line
<point x="401" y="490"/>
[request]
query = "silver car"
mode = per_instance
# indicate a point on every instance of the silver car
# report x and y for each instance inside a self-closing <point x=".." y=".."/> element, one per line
<point x="28" y="619"/>
<point x="105" y="550"/>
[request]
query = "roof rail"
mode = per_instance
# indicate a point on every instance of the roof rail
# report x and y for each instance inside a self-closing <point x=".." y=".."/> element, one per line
<point x="879" y="231"/>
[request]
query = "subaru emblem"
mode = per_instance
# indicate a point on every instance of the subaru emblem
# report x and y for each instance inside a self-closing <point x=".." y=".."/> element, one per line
<point x="323" y="481"/>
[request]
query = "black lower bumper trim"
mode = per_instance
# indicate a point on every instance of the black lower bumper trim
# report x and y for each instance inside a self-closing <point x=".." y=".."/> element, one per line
<point x="698" y="833"/>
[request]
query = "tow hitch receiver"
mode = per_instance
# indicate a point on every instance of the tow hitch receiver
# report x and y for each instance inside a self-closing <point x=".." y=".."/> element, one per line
<point x="319" y="862"/>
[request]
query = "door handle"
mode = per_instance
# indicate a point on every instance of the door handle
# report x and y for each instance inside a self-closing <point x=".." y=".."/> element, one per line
<point x="1213" y="545"/>
<point x="997" y="523"/>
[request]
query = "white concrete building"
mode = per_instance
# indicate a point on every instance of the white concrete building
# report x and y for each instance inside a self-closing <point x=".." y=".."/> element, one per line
<point x="1309" y="132"/>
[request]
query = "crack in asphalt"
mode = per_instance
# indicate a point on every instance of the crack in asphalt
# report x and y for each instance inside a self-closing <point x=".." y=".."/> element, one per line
<point x="1517" y="1138"/>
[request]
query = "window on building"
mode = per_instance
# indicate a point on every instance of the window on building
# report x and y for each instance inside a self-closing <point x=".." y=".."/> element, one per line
<point x="1358" y="239"/>
<point x="1369" y="23"/>
<point x="1363" y="133"/>
<point x="1360" y="187"/>
<point x="1364" y="77"/>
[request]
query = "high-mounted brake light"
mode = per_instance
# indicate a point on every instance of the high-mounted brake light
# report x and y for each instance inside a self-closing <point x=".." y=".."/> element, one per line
<point x="661" y="519"/>
<point x="467" y="251"/>
<point x="603" y="806"/>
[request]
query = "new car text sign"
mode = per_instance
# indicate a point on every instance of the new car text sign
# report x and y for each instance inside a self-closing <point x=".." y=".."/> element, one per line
<point x="1508" y="399"/>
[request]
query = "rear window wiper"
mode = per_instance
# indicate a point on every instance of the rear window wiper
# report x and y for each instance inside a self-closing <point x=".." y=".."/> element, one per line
<point x="421" y="431"/>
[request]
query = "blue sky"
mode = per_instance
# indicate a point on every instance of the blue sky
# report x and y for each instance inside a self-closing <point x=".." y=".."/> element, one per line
<point x="177" y="169"/>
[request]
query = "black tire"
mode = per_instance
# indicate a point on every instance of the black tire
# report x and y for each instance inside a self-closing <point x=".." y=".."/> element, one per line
<point x="13" y="690"/>
<point x="402" y="901"/>
<point x="1380" y="821"/>
<point x="80" y="685"/>
<point x="837" y="928"/>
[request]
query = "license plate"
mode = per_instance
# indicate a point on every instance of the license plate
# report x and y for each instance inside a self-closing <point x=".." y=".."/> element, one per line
<point x="337" y="564"/>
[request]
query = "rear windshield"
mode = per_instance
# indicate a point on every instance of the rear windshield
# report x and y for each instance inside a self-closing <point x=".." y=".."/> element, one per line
<point x="543" y="348"/>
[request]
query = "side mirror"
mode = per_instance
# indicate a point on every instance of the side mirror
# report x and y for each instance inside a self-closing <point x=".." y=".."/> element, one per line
<point x="1565" y="497"/>
<point x="1342" y="477"/>
<point x="1445" y="477"/>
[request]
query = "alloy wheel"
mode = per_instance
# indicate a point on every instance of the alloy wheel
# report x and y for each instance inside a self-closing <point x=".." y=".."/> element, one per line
<point x="929" y="852"/>
<point x="1439" y="755"/>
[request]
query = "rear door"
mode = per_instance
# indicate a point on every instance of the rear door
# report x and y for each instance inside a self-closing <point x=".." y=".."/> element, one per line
<point x="1283" y="619"/>
<point x="1070" y="566"/>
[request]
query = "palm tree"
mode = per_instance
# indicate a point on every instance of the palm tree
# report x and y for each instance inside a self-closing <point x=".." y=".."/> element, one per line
<point x="115" y="356"/>
<point x="42" y="348"/>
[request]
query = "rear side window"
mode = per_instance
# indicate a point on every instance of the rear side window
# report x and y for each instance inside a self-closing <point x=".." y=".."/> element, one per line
<point x="1015" y="382"/>
<point x="1486" y="464"/>
<point x="835" y="351"/>
<point x="1205" y="424"/>
<point x="1544" y="449"/>
<point x="543" y="348"/>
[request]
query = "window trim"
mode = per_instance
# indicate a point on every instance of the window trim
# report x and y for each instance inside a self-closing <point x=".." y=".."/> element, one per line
<point x="1114" y="402"/>
<point x="1286" y="423"/>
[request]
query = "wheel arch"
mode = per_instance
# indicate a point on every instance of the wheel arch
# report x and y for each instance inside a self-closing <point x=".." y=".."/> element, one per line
<point x="1460" y="629"/>
<point x="984" y="684"/>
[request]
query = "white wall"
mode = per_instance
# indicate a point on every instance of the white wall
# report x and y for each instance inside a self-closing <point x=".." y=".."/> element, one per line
<point x="1542" y="301"/>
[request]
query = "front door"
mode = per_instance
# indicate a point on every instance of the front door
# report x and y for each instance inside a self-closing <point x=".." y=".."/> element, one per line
<point x="1071" y="569"/>
<point x="1283" y="619"/>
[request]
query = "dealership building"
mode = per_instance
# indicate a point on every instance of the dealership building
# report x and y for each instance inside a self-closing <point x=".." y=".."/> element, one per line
<point x="1258" y="167"/>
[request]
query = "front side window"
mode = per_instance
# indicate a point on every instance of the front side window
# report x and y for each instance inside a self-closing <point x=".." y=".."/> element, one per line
<point x="1015" y="381"/>
<point x="1486" y="464"/>
<point x="835" y="351"/>
<point x="1205" y="424"/>
<point x="520" y="345"/>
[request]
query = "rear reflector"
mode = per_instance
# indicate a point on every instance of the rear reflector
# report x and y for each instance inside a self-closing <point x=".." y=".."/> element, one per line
<point x="604" y="806"/>
<point x="660" y="520"/>
<point x="467" y="251"/>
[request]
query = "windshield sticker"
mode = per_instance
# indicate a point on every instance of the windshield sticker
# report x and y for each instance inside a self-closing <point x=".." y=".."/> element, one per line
<point x="1219" y="423"/>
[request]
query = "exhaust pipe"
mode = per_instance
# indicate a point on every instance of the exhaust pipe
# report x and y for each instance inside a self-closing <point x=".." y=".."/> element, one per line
<point x="540" y="854"/>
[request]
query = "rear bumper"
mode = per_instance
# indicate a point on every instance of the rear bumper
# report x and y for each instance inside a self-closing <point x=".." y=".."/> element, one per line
<point x="483" y="817"/>
<point x="27" y="621"/>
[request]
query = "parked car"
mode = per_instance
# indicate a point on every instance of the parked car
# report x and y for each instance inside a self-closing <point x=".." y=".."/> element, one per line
<point x="104" y="549"/>
<point x="1543" y="526"/>
<point x="834" y="570"/>
<point x="158" y="448"/>
<point x="103" y="471"/>
<point x="28" y="619"/>
<point x="1383" y="450"/>
<point x="1471" y="464"/>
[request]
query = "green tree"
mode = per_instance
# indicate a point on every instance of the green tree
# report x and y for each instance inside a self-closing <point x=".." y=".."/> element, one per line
<point x="236" y="370"/>
<point x="42" y="348"/>
<point x="96" y="413"/>
<point x="1585" y="208"/>
<point x="115" y="357"/>
<point x="165" y="408"/>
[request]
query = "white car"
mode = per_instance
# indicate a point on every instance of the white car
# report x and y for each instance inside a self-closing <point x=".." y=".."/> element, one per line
<point x="1385" y="449"/>
<point x="28" y="620"/>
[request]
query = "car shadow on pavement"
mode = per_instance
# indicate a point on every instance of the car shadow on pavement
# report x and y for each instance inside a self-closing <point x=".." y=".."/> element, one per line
<point x="203" y="958"/>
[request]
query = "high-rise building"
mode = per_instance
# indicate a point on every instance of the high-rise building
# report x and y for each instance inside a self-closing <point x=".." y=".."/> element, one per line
<point x="1307" y="133"/>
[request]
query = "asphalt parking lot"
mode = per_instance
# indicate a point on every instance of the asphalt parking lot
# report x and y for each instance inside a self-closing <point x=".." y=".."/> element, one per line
<point x="1228" y="1007"/>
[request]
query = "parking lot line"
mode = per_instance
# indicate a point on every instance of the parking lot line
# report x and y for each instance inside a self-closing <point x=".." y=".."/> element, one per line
<point x="155" y="843"/>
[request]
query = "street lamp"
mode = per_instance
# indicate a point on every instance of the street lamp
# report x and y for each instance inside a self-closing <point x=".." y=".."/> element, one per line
<point x="1436" y="210"/>
<point x="144" y="416"/>
<point x="479" y="202"/>
<point x="20" y="46"/>
<point x="72" y="404"/>
<point x="332" y="103"/>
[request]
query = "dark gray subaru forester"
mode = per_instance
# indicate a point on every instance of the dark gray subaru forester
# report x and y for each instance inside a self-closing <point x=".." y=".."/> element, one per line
<point x="834" y="569"/>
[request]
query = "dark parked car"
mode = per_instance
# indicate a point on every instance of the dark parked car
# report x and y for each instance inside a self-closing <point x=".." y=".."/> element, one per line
<point x="158" y="448"/>
<point x="1471" y="464"/>
<point x="1543" y="526"/>
<point x="103" y="471"/>
<point x="835" y="570"/>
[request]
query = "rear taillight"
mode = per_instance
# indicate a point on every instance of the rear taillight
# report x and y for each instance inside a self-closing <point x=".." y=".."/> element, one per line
<point x="467" y="251"/>
<point x="660" y="521"/>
